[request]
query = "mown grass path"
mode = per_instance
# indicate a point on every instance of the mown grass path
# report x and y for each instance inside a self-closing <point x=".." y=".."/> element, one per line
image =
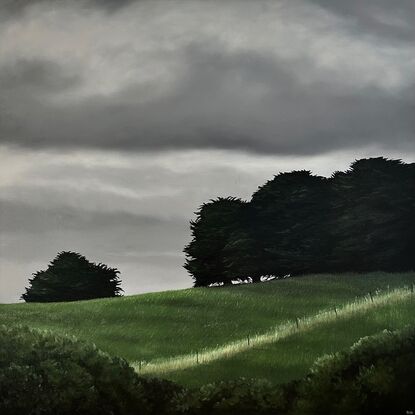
<point x="280" y="332"/>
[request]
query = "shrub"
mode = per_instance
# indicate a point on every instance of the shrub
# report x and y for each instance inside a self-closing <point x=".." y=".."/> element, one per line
<point x="241" y="396"/>
<point x="45" y="374"/>
<point x="71" y="277"/>
<point x="41" y="373"/>
<point x="377" y="375"/>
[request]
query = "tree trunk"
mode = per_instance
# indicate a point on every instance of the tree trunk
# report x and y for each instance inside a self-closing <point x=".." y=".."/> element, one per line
<point x="256" y="278"/>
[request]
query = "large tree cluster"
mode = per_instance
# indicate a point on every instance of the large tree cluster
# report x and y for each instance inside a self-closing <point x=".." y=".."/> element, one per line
<point x="359" y="220"/>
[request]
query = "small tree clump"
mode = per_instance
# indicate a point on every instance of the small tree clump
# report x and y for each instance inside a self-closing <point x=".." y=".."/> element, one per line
<point x="71" y="277"/>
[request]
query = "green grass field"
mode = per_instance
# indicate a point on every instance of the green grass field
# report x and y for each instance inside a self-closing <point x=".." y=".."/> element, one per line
<point x="167" y="324"/>
<point x="290" y="358"/>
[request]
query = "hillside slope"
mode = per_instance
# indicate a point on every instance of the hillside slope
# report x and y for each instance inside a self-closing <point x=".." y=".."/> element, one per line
<point x="290" y="356"/>
<point x="165" y="324"/>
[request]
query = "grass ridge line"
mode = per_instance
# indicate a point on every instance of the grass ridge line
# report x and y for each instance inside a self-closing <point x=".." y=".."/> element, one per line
<point x="277" y="333"/>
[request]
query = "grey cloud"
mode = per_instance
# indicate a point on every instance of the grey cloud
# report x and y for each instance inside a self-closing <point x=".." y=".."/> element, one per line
<point x="239" y="100"/>
<point x="67" y="228"/>
<point x="381" y="18"/>
<point x="221" y="98"/>
<point x="26" y="87"/>
<point x="36" y="75"/>
<point x="14" y="8"/>
<point x="386" y="19"/>
<point x="112" y="5"/>
<point x="20" y="217"/>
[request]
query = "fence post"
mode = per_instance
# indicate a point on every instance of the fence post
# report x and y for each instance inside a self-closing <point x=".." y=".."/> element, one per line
<point x="248" y="339"/>
<point x="335" y="310"/>
<point x="197" y="357"/>
<point x="296" y="322"/>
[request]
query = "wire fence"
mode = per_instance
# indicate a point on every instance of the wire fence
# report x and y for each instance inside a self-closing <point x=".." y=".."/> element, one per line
<point x="281" y="331"/>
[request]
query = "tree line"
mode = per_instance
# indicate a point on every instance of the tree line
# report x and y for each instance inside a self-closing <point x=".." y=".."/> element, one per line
<point x="359" y="220"/>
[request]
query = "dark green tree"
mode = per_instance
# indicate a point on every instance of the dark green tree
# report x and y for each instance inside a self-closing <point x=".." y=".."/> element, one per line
<point x="214" y="224"/>
<point x="373" y="212"/>
<point x="359" y="220"/>
<point x="71" y="277"/>
<point x="241" y="251"/>
<point x="291" y="224"/>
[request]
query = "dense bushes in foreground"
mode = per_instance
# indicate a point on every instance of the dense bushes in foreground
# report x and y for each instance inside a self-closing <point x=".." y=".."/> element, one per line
<point x="377" y="375"/>
<point x="44" y="374"/>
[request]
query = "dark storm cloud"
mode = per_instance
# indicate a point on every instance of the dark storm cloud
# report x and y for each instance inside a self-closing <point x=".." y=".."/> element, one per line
<point x="221" y="97"/>
<point x="226" y="100"/>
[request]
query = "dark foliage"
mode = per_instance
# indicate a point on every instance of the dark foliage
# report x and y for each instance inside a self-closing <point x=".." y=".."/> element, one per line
<point x="360" y="220"/>
<point x="215" y="223"/>
<point x="45" y="374"/>
<point x="71" y="277"/>
<point x="372" y="220"/>
<point x="291" y="230"/>
<point x="241" y="396"/>
<point x="377" y="376"/>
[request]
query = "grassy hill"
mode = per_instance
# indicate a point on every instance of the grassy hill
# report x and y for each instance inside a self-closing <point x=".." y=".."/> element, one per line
<point x="161" y="325"/>
<point x="290" y="358"/>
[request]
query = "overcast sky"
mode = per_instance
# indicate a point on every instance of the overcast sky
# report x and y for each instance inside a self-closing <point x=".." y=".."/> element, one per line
<point x="119" y="118"/>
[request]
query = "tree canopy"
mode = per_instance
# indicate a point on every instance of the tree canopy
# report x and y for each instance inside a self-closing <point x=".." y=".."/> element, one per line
<point x="215" y="223"/>
<point x="358" y="220"/>
<point x="290" y="213"/>
<point x="71" y="277"/>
